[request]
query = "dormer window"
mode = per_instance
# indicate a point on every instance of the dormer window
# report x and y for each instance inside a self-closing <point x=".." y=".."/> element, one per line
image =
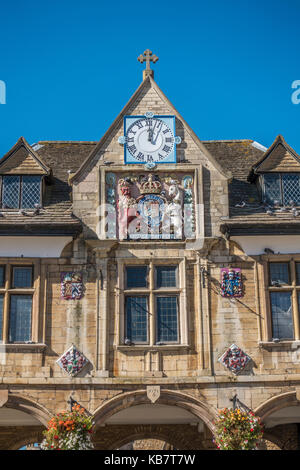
<point x="21" y="192"/>
<point x="281" y="189"/>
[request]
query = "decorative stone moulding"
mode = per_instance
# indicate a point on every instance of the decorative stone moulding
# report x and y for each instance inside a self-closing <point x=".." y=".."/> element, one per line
<point x="235" y="359"/>
<point x="71" y="286"/>
<point x="231" y="282"/>
<point x="72" y="361"/>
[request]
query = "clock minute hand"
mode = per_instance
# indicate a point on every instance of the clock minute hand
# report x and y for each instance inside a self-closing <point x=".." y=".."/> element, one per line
<point x="158" y="130"/>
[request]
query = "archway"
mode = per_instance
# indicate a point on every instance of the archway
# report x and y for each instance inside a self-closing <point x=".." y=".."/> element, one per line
<point x="22" y="422"/>
<point x="281" y="417"/>
<point x="181" y="420"/>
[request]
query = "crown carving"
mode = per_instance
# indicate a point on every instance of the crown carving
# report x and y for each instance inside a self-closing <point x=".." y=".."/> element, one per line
<point x="150" y="186"/>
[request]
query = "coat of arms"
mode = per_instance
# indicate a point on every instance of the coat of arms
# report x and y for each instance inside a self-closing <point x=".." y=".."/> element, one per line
<point x="231" y="282"/>
<point x="235" y="359"/>
<point x="71" y="286"/>
<point x="72" y="361"/>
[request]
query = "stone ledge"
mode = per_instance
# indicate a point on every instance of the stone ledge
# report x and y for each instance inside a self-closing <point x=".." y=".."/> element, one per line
<point x="269" y="345"/>
<point x="23" y="347"/>
<point x="155" y="347"/>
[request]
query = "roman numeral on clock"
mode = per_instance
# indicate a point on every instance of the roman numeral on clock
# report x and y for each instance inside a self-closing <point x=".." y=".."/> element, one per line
<point x="166" y="131"/>
<point x="166" y="149"/>
<point x="140" y="156"/>
<point x="132" y="148"/>
<point x="139" y="124"/>
<point x="169" y="140"/>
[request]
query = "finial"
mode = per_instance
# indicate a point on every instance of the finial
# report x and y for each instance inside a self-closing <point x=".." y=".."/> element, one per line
<point x="147" y="57"/>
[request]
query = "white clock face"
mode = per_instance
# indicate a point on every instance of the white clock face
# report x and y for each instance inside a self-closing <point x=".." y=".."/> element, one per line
<point x="149" y="140"/>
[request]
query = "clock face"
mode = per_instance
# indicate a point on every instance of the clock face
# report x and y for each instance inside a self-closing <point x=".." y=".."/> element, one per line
<point x="150" y="140"/>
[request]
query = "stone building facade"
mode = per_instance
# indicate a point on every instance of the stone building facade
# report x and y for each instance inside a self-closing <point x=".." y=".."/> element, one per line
<point x="152" y="332"/>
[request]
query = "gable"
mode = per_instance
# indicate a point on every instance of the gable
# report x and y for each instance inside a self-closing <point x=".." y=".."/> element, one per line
<point x="149" y="97"/>
<point x="280" y="157"/>
<point x="280" y="160"/>
<point x="21" y="159"/>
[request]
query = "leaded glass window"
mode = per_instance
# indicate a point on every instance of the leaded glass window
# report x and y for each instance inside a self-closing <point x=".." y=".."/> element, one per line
<point x="11" y="192"/>
<point x="282" y="188"/>
<point x="22" y="277"/>
<point x="279" y="273"/>
<point x="20" y="318"/>
<point x="137" y="319"/>
<point x="31" y="192"/>
<point x="167" y="319"/>
<point x="272" y="188"/>
<point x="1" y="316"/>
<point x="166" y="276"/>
<point x="21" y="191"/>
<point x="282" y="315"/>
<point x="136" y="276"/>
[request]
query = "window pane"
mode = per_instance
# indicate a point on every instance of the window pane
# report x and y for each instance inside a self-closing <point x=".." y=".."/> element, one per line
<point x="291" y="188"/>
<point x="272" y="190"/>
<point x="136" y="276"/>
<point x="166" y="276"/>
<point x="2" y="276"/>
<point x="282" y="317"/>
<point x="137" y="319"/>
<point x="1" y="316"/>
<point x="167" y="322"/>
<point x="279" y="273"/>
<point x="11" y="192"/>
<point x="298" y="273"/>
<point x="20" y="318"/>
<point x="31" y="191"/>
<point x="22" y="277"/>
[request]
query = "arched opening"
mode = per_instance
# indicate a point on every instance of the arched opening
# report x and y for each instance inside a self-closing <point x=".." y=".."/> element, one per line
<point x="281" y="417"/>
<point x="21" y="423"/>
<point x="176" y="420"/>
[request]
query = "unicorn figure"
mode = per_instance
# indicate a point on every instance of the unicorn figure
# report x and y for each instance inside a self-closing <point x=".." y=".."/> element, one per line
<point x="173" y="211"/>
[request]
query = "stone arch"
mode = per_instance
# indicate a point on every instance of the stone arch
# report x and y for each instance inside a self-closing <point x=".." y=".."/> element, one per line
<point x="276" y="403"/>
<point x="27" y="405"/>
<point x="16" y="436"/>
<point x="195" y="406"/>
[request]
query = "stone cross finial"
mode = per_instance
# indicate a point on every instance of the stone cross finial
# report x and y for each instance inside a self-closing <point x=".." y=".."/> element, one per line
<point x="147" y="57"/>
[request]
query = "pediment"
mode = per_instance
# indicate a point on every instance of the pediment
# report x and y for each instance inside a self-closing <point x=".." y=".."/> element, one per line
<point x="22" y="159"/>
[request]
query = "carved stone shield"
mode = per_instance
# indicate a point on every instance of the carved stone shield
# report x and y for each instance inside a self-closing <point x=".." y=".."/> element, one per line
<point x="3" y="397"/>
<point x="153" y="392"/>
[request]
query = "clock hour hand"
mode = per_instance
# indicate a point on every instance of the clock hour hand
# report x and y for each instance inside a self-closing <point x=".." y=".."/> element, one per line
<point x="150" y="132"/>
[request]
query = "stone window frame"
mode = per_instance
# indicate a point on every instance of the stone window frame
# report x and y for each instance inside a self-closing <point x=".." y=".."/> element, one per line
<point x="180" y="291"/>
<point x="7" y="290"/>
<point x="292" y="287"/>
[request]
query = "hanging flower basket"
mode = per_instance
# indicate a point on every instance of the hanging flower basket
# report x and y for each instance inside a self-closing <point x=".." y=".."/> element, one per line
<point x="237" y="430"/>
<point x="69" y="431"/>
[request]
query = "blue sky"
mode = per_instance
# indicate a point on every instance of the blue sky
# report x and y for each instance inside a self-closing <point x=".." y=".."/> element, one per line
<point x="227" y="66"/>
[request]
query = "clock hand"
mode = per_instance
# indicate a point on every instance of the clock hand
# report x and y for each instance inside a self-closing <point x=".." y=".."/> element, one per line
<point x="149" y="131"/>
<point x="158" y="130"/>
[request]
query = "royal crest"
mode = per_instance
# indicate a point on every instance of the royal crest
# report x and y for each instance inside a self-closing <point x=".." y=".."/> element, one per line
<point x="71" y="286"/>
<point x="235" y="359"/>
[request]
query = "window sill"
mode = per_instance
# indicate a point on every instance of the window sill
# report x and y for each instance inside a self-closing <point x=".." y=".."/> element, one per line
<point x="290" y="344"/>
<point x="23" y="346"/>
<point x="155" y="347"/>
